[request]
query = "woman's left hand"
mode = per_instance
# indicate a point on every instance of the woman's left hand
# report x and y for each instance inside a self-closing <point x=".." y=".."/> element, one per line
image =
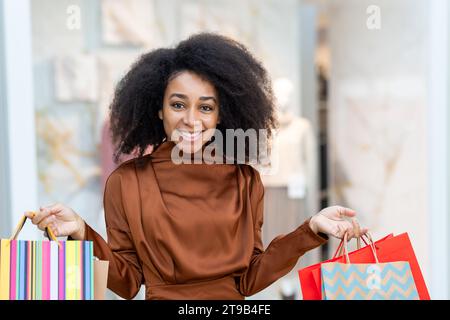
<point x="331" y="221"/>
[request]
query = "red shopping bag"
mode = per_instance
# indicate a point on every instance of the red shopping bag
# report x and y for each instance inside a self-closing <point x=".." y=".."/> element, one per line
<point x="390" y="248"/>
<point x="399" y="248"/>
<point x="310" y="281"/>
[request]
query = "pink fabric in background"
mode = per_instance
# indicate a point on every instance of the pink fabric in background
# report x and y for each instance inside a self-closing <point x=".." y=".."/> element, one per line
<point x="107" y="153"/>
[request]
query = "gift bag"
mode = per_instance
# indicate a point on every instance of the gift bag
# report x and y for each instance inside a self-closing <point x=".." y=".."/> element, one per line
<point x="389" y="249"/>
<point x="310" y="282"/>
<point x="50" y="270"/>
<point x="367" y="281"/>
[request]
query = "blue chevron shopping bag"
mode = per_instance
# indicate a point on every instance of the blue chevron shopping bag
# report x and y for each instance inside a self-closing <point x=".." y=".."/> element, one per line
<point x="367" y="281"/>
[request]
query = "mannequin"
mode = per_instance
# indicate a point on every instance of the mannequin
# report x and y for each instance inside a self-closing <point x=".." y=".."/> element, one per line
<point x="294" y="153"/>
<point x="294" y="160"/>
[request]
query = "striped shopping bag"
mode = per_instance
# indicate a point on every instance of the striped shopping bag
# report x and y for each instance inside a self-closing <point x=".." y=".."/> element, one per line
<point x="367" y="281"/>
<point x="50" y="270"/>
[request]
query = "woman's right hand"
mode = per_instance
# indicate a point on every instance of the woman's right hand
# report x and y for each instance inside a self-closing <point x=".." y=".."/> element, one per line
<point x="61" y="220"/>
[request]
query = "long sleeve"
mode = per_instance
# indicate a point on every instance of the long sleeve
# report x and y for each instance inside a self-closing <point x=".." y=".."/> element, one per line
<point x="281" y="255"/>
<point x="125" y="273"/>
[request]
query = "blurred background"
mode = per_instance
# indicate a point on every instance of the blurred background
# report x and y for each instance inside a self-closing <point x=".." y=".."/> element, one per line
<point x="362" y="90"/>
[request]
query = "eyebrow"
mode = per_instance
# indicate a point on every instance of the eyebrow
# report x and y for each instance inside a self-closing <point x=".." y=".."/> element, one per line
<point x="179" y="95"/>
<point x="183" y="96"/>
<point x="208" y="98"/>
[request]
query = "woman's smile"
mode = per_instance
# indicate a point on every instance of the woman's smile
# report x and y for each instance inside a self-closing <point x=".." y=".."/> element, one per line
<point x="190" y="136"/>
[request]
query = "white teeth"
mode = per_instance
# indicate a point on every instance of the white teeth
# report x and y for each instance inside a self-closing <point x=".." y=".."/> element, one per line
<point x="190" y="136"/>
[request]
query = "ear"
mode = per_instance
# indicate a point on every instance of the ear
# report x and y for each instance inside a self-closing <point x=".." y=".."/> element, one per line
<point x="160" y="115"/>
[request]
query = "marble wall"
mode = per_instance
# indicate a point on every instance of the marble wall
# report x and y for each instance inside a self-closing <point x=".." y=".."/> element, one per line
<point x="378" y="117"/>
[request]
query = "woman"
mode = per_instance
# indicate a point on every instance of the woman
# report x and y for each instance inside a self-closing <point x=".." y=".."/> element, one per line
<point x="191" y="231"/>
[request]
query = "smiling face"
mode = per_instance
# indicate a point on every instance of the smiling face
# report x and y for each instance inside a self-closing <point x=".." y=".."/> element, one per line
<point x="190" y="111"/>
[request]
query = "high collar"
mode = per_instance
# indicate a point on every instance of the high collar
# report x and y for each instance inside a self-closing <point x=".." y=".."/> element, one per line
<point x="163" y="151"/>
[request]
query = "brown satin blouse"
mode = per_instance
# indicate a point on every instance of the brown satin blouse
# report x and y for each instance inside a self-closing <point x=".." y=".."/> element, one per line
<point x="191" y="231"/>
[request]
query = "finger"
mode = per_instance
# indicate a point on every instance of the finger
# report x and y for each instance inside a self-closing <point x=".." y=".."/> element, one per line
<point x="54" y="209"/>
<point x="341" y="231"/>
<point x="37" y="216"/>
<point x="53" y="228"/>
<point x="29" y="214"/>
<point x="346" y="212"/>
<point x="350" y="233"/>
<point x="348" y="228"/>
<point x="356" y="228"/>
<point x="45" y="222"/>
<point x="44" y="212"/>
<point x="335" y="232"/>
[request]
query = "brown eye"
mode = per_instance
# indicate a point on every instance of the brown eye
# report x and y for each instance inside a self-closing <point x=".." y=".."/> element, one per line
<point x="177" y="106"/>
<point x="206" y="108"/>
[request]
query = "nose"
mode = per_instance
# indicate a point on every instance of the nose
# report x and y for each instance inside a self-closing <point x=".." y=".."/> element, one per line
<point x="190" y="118"/>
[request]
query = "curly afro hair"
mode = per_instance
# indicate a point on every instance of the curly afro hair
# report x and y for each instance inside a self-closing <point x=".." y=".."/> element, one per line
<point x="244" y="89"/>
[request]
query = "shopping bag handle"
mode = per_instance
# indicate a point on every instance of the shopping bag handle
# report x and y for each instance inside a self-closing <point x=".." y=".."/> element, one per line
<point x="371" y="244"/>
<point x="21" y="223"/>
<point x="340" y="249"/>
